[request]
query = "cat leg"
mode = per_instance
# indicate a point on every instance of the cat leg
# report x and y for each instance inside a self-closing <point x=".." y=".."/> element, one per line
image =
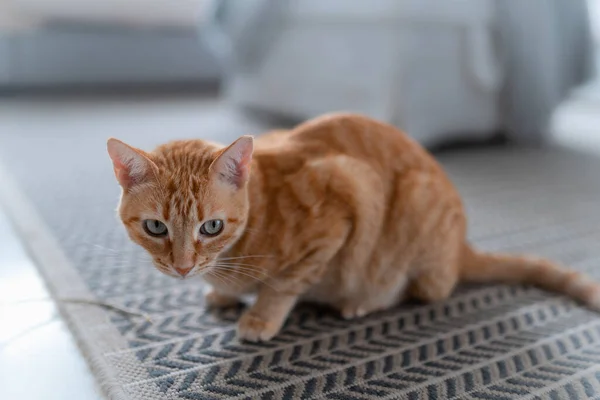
<point x="433" y="286"/>
<point x="382" y="297"/>
<point x="217" y="299"/>
<point x="275" y="300"/>
<point x="437" y="271"/>
<point x="266" y="317"/>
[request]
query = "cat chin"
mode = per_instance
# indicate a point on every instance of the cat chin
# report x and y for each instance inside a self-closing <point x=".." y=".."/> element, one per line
<point x="196" y="274"/>
<point x="168" y="272"/>
<point x="173" y="275"/>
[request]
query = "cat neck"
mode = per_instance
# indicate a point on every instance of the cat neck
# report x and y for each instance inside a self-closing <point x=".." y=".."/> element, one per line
<point x="256" y="214"/>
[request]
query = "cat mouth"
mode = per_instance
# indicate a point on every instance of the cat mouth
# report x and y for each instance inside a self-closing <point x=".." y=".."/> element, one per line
<point x="193" y="272"/>
<point x="183" y="273"/>
<point x="173" y="272"/>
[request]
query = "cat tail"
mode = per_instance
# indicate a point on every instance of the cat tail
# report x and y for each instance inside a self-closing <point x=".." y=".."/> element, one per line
<point x="511" y="269"/>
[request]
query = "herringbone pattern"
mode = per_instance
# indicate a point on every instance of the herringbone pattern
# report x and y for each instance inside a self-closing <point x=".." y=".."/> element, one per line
<point x="494" y="342"/>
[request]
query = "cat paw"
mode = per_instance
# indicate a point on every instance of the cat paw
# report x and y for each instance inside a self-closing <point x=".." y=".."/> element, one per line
<point x="255" y="329"/>
<point x="351" y="312"/>
<point x="215" y="299"/>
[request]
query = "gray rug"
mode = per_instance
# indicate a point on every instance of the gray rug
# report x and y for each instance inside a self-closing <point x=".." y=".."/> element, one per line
<point x="492" y="342"/>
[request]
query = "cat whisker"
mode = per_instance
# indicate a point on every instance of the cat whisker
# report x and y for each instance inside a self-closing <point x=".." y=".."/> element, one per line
<point x="225" y="262"/>
<point x="217" y="277"/>
<point x="125" y="263"/>
<point x="104" y="248"/>
<point x="227" y="281"/>
<point x="236" y="280"/>
<point x="97" y="246"/>
<point x="125" y="254"/>
<point x="244" y="257"/>
<point x="122" y="255"/>
<point x="247" y="267"/>
<point x="241" y="265"/>
<point x="128" y="256"/>
<point x="243" y="273"/>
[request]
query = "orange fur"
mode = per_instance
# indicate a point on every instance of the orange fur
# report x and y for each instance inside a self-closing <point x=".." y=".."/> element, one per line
<point x="342" y="210"/>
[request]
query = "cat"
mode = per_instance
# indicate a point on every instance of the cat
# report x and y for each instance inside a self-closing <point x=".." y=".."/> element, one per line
<point x="342" y="210"/>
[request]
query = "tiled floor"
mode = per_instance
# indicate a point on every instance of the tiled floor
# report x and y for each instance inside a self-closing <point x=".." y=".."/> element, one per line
<point x="37" y="351"/>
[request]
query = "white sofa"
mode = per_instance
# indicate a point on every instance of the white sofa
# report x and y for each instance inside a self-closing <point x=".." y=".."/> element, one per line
<point x="435" y="68"/>
<point x="364" y="56"/>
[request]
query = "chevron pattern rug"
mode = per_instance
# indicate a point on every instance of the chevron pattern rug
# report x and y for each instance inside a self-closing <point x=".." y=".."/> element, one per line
<point x="486" y="342"/>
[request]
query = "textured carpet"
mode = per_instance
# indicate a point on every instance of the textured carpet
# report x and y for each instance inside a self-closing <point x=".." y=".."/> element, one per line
<point x="492" y="342"/>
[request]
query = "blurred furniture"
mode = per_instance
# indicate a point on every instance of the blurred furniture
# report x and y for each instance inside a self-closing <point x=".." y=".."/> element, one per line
<point x="435" y="68"/>
<point x="72" y="42"/>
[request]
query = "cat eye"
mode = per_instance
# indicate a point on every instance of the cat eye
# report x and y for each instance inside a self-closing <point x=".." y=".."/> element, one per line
<point x="155" y="228"/>
<point x="212" y="227"/>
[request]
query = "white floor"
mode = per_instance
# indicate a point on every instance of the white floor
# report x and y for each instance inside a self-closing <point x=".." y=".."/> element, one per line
<point x="38" y="356"/>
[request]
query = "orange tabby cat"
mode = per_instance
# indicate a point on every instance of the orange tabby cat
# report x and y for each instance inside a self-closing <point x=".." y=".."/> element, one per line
<point x="342" y="210"/>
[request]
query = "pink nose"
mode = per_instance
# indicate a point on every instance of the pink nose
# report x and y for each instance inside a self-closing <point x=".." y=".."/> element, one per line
<point x="183" y="271"/>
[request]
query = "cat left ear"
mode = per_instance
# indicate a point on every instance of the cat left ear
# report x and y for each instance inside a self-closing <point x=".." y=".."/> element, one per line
<point x="131" y="165"/>
<point x="232" y="166"/>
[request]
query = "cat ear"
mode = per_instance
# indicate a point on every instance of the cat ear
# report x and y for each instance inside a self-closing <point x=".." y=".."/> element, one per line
<point x="232" y="166"/>
<point x="131" y="166"/>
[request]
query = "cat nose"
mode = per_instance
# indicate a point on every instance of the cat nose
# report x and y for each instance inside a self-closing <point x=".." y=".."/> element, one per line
<point x="183" y="271"/>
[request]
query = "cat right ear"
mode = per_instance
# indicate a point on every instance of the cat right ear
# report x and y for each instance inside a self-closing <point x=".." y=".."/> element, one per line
<point x="131" y="165"/>
<point x="232" y="166"/>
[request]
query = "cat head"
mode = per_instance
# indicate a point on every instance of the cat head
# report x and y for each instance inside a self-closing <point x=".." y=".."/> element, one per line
<point x="185" y="202"/>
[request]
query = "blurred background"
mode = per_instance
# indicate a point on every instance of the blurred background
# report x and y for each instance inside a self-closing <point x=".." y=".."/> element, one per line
<point x="441" y="70"/>
<point x="502" y="74"/>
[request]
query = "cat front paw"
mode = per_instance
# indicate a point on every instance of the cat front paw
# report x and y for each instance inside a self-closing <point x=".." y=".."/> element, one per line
<point x="253" y="328"/>
<point x="353" y="311"/>
<point x="215" y="299"/>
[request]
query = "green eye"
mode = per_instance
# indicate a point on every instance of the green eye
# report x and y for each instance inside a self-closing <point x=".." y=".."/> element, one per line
<point x="212" y="227"/>
<point x="155" y="228"/>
